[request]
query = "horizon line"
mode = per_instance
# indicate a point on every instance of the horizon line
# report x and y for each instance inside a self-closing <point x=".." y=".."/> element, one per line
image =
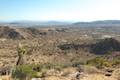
<point x="59" y="20"/>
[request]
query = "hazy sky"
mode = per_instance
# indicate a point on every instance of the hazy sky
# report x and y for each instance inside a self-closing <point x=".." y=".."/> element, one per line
<point x="61" y="10"/>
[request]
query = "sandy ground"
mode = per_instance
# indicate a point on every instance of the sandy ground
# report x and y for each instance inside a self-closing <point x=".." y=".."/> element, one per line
<point x="98" y="77"/>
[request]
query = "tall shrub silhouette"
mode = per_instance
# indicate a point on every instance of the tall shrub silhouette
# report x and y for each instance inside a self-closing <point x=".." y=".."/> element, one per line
<point x="21" y="52"/>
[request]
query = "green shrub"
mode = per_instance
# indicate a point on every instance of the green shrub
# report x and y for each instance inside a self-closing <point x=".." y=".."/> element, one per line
<point x="23" y="71"/>
<point x="116" y="62"/>
<point x="99" y="62"/>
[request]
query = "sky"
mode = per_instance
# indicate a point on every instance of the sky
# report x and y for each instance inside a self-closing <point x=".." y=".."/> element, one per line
<point x="59" y="10"/>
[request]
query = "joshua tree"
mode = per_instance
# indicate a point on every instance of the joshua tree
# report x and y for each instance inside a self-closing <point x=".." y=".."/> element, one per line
<point x="21" y="51"/>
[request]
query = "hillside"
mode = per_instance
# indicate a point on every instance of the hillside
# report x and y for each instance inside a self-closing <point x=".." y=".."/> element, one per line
<point x="8" y="32"/>
<point x="105" y="46"/>
<point x="58" y="53"/>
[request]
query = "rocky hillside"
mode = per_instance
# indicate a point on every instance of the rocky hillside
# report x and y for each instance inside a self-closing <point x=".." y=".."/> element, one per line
<point x="105" y="46"/>
<point x="7" y="32"/>
<point x="19" y="33"/>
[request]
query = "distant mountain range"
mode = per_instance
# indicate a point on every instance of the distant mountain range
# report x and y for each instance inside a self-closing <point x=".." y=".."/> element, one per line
<point x="34" y="23"/>
<point x="102" y="23"/>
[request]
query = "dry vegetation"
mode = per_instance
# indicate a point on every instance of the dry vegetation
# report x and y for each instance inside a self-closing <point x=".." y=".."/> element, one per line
<point x="59" y="54"/>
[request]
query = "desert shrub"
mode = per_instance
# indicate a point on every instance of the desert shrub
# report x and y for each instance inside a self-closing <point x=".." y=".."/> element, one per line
<point x="40" y="67"/>
<point x="23" y="71"/>
<point x="116" y="62"/>
<point x="48" y="66"/>
<point x="58" y="67"/>
<point x="72" y="46"/>
<point x="77" y="63"/>
<point x="107" y="64"/>
<point x="99" y="62"/>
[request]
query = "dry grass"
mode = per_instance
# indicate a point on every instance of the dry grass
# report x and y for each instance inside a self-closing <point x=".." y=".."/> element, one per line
<point x="98" y="77"/>
<point x="7" y="77"/>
